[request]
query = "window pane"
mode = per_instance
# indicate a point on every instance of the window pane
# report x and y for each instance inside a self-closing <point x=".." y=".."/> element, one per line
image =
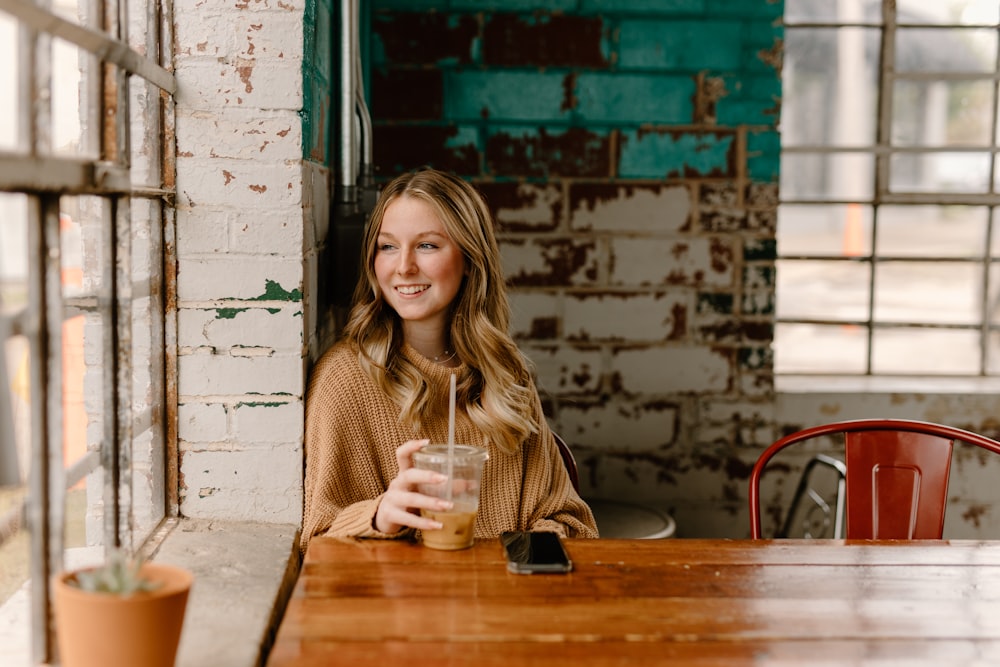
<point x="935" y="292"/>
<point x="940" y="172"/>
<point x="945" y="50"/>
<point x="825" y="176"/>
<point x="942" y="113"/>
<point x="822" y="290"/>
<point x="810" y="348"/>
<point x="834" y="230"/>
<point x="925" y="351"/>
<point x="964" y="12"/>
<point x="8" y="84"/>
<point x="828" y="87"/>
<point x="931" y="231"/>
<point x="15" y="418"/>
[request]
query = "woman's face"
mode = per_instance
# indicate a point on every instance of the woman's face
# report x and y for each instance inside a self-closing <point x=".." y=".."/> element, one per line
<point x="418" y="267"/>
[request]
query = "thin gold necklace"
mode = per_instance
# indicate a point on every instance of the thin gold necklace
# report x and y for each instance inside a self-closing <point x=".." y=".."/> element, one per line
<point x="444" y="357"/>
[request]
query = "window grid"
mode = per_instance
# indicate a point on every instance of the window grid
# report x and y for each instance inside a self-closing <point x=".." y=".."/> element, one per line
<point x="121" y="195"/>
<point x="796" y="332"/>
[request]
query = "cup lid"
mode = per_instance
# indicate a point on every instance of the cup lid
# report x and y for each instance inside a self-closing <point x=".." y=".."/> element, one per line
<point x="437" y="453"/>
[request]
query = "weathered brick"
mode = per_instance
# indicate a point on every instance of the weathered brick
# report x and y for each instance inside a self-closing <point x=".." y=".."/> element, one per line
<point x="518" y="207"/>
<point x="680" y="44"/>
<point x="565" y="370"/>
<point x="408" y="94"/>
<point x="542" y="263"/>
<point x="544" y="40"/>
<point x="626" y="207"/>
<point x="650" y="426"/>
<point x="693" y="261"/>
<point x="539" y="152"/>
<point x="680" y="369"/>
<point x="401" y="148"/>
<point x="227" y="35"/>
<point x="625" y="97"/>
<point x="223" y="375"/>
<point x="675" y="153"/>
<point x="240" y="278"/>
<point x="626" y="317"/>
<point x="202" y="422"/>
<point x="255" y="485"/>
<point x="268" y="422"/>
<point x="535" y="315"/>
<point x="240" y="134"/>
<point x="238" y="183"/>
<point x="486" y="94"/>
<point x="248" y="84"/>
<point x="276" y="328"/>
<point x="424" y="38"/>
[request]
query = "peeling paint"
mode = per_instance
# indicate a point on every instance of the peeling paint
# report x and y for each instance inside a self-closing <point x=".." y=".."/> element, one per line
<point x="275" y="292"/>
<point x="228" y="313"/>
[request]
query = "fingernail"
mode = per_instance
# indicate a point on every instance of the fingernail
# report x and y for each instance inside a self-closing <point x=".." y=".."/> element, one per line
<point x="438" y="477"/>
<point x="445" y="505"/>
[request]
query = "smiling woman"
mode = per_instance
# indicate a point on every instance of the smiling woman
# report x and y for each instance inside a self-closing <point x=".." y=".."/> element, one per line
<point x="430" y="304"/>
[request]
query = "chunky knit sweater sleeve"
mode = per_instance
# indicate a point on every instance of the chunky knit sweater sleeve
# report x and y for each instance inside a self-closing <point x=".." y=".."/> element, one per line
<point x="353" y="430"/>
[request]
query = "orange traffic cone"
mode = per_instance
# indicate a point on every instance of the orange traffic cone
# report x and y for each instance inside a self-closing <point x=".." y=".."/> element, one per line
<point x="854" y="242"/>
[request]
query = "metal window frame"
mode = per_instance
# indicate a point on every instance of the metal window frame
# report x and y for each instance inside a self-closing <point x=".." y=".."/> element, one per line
<point x="882" y="151"/>
<point x="44" y="178"/>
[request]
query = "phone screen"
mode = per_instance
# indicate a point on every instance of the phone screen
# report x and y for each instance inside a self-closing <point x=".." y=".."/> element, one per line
<point x="535" y="552"/>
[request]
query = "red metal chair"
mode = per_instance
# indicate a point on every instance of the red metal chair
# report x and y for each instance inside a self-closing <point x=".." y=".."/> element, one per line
<point x="897" y="475"/>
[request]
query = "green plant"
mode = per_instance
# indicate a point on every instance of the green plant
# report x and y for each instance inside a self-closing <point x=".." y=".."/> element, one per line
<point x="120" y="575"/>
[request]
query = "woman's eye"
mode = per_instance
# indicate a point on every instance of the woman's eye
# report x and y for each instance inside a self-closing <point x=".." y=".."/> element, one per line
<point x="427" y="246"/>
<point x="384" y="246"/>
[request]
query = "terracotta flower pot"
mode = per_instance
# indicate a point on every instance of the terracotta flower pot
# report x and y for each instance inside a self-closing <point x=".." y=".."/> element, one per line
<point x="106" y="630"/>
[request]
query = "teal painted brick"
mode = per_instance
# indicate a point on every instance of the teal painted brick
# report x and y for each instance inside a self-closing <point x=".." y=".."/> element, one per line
<point x="634" y="98"/>
<point x="686" y="45"/>
<point x="324" y="40"/>
<point x="733" y="113"/>
<point x="763" y="156"/>
<point x="676" y="154"/>
<point x="768" y="9"/>
<point x="646" y="7"/>
<point x="765" y="86"/>
<point x="504" y="95"/>
<point x="463" y="137"/>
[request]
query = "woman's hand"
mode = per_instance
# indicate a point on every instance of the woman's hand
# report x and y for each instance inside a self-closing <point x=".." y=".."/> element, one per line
<point x="401" y="503"/>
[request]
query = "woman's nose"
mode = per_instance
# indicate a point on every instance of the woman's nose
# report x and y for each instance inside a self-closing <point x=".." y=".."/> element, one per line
<point x="407" y="262"/>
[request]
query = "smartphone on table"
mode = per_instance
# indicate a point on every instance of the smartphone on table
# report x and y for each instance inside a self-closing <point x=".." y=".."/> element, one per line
<point x="529" y="553"/>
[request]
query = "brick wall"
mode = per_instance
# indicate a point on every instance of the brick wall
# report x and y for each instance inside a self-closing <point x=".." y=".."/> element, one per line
<point x="249" y="209"/>
<point x="629" y="151"/>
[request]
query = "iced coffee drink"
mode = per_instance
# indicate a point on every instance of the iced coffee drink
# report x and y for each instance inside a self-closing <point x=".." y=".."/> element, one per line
<point x="463" y="465"/>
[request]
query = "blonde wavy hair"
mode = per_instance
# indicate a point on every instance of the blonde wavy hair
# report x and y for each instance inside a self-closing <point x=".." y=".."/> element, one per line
<point x="496" y="390"/>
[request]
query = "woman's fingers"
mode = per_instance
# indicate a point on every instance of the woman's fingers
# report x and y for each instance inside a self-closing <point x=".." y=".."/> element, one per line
<point x="402" y="502"/>
<point x="405" y="451"/>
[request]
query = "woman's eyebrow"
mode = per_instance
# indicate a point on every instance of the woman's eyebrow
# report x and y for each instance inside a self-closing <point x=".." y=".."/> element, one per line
<point x="418" y="235"/>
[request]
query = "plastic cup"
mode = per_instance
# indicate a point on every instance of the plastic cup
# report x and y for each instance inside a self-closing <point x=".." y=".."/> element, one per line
<point x="466" y="471"/>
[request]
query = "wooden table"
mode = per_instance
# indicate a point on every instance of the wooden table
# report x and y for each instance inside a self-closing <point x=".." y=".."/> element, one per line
<point x="647" y="602"/>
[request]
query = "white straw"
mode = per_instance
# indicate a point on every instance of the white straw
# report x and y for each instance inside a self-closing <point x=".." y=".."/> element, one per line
<point x="451" y="432"/>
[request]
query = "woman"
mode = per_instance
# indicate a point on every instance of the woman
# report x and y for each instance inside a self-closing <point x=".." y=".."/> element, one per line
<point x="430" y="302"/>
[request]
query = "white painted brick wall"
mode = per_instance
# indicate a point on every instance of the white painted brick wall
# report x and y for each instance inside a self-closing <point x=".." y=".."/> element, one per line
<point x="245" y="202"/>
<point x="600" y="317"/>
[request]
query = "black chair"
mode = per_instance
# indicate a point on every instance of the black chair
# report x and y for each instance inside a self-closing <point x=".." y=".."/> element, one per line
<point x="615" y="518"/>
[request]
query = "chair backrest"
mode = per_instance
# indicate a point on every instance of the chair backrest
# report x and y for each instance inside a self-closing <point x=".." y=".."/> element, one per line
<point x="568" y="460"/>
<point x="897" y="475"/>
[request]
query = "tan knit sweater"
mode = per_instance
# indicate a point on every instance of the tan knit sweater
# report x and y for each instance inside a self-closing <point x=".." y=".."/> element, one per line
<point x="353" y="430"/>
